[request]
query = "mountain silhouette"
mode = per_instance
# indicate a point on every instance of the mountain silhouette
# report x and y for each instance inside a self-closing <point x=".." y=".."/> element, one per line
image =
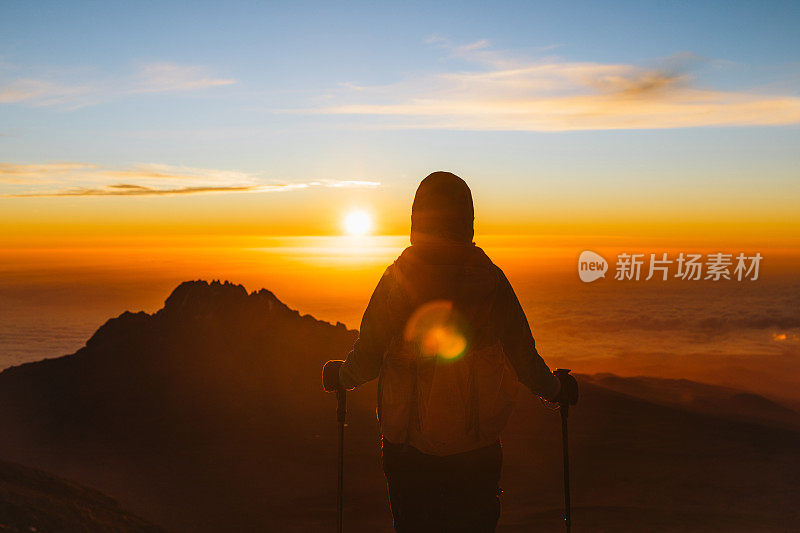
<point x="208" y="415"/>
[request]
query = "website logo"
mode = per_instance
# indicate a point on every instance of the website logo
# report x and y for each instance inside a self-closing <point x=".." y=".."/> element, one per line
<point x="683" y="266"/>
<point x="591" y="266"/>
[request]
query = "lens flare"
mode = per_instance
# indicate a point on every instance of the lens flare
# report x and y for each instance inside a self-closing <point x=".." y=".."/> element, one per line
<point x="438" y="329"/>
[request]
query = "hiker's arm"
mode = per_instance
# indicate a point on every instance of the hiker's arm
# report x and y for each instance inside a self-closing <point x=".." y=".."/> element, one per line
<point x="518" y="344"/>
<point x="364" y="362"/>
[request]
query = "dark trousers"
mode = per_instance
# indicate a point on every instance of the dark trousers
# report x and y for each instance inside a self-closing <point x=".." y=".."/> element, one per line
<point x="458" y="492"/>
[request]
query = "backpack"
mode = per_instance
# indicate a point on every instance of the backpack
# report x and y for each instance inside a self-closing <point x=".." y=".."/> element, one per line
<point x="445" y="385"/>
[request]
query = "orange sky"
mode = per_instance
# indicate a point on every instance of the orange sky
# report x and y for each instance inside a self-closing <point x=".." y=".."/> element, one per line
<point x="579" y="219"/>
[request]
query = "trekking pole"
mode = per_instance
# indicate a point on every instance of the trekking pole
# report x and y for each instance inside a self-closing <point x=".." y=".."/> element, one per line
<point x="341" y="412"/>
<point x="564" y="408"/>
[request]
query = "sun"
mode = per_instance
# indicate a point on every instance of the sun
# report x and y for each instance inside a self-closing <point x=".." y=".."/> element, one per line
<point x="357" y="223"/>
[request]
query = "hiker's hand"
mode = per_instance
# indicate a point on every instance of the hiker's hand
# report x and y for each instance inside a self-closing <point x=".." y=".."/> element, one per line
<point x="568" y="395"/>
<point x="330" y="375"/>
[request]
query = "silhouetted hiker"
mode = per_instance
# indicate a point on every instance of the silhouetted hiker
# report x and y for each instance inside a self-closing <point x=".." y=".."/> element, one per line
<point x="447" y="339"/>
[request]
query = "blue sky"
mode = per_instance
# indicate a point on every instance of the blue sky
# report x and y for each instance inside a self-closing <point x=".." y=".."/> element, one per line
<point x="665" y="100"/>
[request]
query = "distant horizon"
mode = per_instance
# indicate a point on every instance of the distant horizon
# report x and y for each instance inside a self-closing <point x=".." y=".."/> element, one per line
<point x="52" y="300"/>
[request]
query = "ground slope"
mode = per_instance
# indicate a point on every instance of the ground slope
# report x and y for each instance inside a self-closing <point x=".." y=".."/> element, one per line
<point x="32" y="500"/>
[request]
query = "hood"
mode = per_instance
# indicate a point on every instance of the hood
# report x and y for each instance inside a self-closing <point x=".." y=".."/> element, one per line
<point x="442" y="211"/>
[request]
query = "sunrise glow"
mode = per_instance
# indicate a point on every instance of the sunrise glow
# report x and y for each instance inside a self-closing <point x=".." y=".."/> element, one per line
<point x="358" y="223"/>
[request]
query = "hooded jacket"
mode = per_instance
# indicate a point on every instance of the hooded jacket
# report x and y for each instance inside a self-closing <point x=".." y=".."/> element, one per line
<point x="445" y="335"/>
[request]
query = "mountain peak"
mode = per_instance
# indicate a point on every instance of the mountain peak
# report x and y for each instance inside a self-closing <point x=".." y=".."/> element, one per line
<point x="200" y="297"/>
<point x="200" y="302"/>
<point x="189" y="293"/>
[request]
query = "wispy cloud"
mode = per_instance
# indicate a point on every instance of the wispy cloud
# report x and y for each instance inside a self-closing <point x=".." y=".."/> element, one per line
<point x="25" y="174"/>
<point x="42" y="92"/>
<point x="500" y="91"/>
<point x="126" y="189"/>
<point x="76" y="90"/>
<point x="74" y="179"/>
<point x="165" y="77"/>
<point x="76" y="171"/>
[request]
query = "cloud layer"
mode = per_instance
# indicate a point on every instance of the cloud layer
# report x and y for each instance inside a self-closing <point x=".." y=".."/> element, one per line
<point x="79" y="89"/>
<point x="74" y="179"/>
<point x="501" y="92"/>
